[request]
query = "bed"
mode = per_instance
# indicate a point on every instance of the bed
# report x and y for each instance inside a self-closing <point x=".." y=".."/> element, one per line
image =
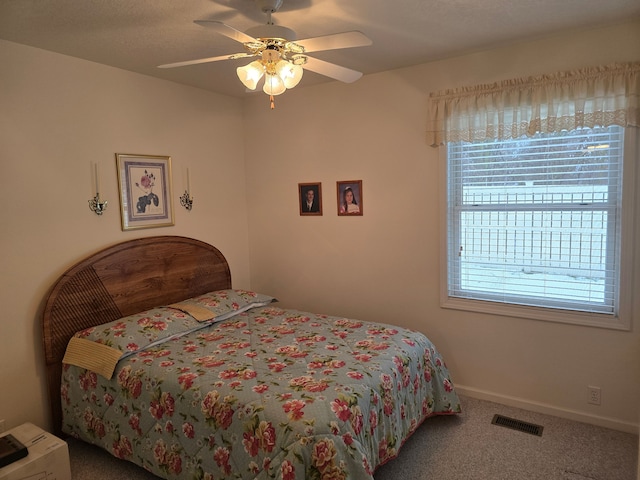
<point x="153" y="356"/>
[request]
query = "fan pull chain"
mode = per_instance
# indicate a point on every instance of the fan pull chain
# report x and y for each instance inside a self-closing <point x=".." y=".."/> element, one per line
<point x="273" y="103"/>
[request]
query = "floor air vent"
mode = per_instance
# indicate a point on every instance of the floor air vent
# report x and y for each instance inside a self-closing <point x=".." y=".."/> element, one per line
<point x="517" y="425"/>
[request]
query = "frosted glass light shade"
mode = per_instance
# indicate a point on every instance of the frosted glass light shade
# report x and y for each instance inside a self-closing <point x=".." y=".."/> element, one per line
<point x="250" y="74"/>
<point x="291" y="74"/>
<point x="273" y="85"/>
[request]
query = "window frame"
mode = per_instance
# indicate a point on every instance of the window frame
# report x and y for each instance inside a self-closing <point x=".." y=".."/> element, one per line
<point x="621" y="319"/>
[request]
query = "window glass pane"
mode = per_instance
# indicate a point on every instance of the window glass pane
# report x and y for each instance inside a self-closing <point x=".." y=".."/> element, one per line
<point x="534" y="221"/>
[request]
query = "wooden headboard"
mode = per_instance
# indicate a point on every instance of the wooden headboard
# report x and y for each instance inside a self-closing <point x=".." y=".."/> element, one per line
<point x="121" y="280"/>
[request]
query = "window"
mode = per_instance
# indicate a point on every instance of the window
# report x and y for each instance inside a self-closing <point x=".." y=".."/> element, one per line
<point x="534" y="225"/>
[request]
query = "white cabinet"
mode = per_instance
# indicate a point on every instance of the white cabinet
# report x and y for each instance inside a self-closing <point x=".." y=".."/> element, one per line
<point x="48" y="457"/>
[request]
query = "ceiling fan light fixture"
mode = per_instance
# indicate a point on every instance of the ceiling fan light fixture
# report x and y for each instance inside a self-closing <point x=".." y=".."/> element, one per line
<point x="290" y="73"/>
<point x="298" y="59"/>
<point x="251" y="74"/>
<point x="273" y="84"/>
<point x="281" y="56"/>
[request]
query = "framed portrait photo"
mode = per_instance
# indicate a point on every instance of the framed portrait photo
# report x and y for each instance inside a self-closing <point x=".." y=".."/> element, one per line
<point x="145" y="191"/>
<point x="310" y="198"/>
<point x="350" y="198"/>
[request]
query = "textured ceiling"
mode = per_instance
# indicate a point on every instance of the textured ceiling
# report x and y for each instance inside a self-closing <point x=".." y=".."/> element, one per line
<point x="139" y="35"/>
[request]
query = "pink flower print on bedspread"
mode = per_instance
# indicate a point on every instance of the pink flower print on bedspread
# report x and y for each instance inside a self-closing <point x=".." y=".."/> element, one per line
<point x="346" y="409"/>
<point x="221" y="455"/>
<point x="388" y="403"/>
<point x="162" y="404"/>
<point x="259" y="435"/>
<point x="288" y="470"/>
<point x="218" y="412"/>
<point x="341" y="409"/>
<point x="93" y="424"/>
<point x="130" y="382"/>
<point x="324" y="460"/>
<point x="294" y="409"/>
<point x="168" y="459"/>
<point x="291" y="351"/>
<point x="309" y="384"/>
<point x="157" y="324"/>
<point x="88" y="380"/>
<point x="122" y="448"/>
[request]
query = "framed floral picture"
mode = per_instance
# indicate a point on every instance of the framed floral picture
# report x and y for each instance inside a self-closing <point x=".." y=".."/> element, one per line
<point x="145" y="191"/>
<point x="350" y="197"/>
<point x="310" y="198"/>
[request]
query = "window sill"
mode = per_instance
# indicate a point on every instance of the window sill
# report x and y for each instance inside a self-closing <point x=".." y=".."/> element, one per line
<point x="599" y="320"/>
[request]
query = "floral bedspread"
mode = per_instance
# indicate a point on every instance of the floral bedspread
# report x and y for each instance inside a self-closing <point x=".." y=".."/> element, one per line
<point x="268" y="393"/>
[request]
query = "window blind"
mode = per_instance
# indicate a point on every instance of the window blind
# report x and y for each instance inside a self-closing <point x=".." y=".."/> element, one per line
<point x="536" y="221"/>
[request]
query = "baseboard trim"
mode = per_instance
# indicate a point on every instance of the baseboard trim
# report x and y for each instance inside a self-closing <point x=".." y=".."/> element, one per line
<point x="517" y="402"/>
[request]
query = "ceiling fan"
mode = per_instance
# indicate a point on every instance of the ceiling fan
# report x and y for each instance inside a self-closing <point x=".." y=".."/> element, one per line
<point x="279" y="57"/>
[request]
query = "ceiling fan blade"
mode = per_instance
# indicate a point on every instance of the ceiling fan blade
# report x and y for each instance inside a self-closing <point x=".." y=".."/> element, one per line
<point x="226" y="30"/>
<point x="332" y="70"/>
<point x="204" y="60"/>
<point x="335" y="41"/>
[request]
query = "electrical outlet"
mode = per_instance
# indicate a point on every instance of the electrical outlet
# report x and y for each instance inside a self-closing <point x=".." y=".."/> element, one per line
<point x="594" y="395"/>
<point x="2" y="426"/>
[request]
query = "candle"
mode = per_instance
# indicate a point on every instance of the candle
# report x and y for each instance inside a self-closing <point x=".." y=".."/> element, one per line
<point x="188" y="181"/>
<point x="97" y="177"/>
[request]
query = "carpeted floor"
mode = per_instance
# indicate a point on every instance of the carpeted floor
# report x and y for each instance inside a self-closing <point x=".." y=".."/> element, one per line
<point x="465" y="447"/>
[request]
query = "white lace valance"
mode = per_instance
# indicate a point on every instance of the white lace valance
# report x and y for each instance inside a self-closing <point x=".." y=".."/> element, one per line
<point x="597" y="96"/>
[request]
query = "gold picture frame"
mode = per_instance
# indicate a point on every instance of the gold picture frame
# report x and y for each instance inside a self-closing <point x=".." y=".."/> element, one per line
<point x="145" y="187"/>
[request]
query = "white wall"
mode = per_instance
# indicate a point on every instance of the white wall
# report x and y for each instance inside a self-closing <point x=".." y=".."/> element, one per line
<point x="58" y="115"/>
<point x="384" y="265"/>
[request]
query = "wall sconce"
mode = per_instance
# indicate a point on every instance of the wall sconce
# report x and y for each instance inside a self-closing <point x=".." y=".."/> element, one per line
<point x="186" y="200"/>
<point x="95" y="205"/>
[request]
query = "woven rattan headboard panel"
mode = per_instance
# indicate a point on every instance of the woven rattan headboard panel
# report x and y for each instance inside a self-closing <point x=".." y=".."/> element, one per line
<point x="121" y="280"/>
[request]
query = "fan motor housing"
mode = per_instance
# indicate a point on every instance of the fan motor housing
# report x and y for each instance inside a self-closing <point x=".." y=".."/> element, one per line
<point x="271" y="54"/>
